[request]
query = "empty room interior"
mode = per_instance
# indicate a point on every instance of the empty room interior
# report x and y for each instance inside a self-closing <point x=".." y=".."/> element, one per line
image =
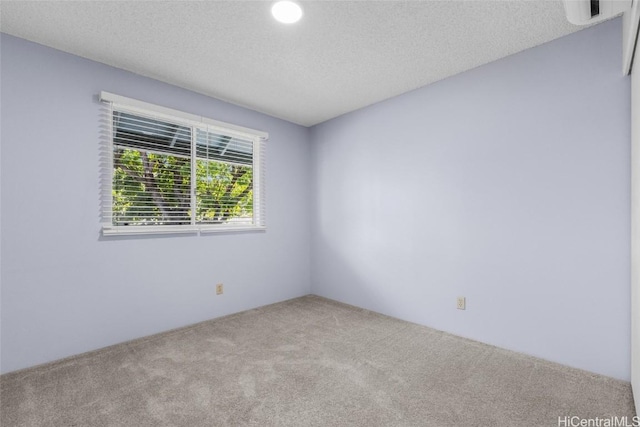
<point x="320" y="213"/>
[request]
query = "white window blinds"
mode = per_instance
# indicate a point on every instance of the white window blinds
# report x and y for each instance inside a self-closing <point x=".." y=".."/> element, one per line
<point x="168" y="171"/>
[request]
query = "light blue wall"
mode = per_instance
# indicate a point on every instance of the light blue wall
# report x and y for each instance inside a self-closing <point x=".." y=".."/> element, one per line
<point x="65" y="291"/>
<point x="508" y="184"/>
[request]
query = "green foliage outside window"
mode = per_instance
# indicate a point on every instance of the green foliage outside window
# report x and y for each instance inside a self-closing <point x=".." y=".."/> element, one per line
<point x="154" y="189"/>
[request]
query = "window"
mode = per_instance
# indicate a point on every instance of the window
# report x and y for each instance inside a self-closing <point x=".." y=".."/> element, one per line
<point x="166" y="171"/>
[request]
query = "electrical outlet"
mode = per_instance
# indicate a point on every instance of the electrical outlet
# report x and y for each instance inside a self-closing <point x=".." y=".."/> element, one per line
<point x="219" y="289"/>
<point x="461" y="303"/>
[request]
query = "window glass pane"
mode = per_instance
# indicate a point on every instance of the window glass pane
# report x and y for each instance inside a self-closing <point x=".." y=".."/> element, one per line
<point x="224" y="182"/>
<point x="151" y="172"/>
<point x="224" y="193"/>
<point x="136" y="131"/>
<point x="224" y="148"/>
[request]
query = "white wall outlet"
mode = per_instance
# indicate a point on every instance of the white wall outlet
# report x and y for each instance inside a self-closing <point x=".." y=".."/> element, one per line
<point x="461" y="303"/>
<point x="219" y="289"/>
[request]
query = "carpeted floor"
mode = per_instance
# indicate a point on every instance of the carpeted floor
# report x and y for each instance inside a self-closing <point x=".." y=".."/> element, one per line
<point x="306" y="362"/>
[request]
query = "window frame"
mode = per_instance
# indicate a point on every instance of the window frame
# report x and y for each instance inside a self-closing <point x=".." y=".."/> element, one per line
<point x="111" y="103"/>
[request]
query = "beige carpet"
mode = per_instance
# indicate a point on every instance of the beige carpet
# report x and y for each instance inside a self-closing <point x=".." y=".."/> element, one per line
<point x="306" y="362"/>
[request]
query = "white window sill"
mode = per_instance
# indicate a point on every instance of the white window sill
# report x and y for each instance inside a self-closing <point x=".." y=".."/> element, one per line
<point x="184" y="229"/>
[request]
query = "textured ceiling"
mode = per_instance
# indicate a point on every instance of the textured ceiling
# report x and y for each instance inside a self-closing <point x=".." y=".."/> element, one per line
<point x="342" y="55"/>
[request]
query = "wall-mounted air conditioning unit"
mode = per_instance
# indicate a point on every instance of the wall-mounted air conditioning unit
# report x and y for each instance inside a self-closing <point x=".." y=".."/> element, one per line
<point x="584" y="12"/>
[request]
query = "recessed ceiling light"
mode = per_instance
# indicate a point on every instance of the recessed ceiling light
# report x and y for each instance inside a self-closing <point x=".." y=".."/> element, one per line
<point x="286" y="12"/>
